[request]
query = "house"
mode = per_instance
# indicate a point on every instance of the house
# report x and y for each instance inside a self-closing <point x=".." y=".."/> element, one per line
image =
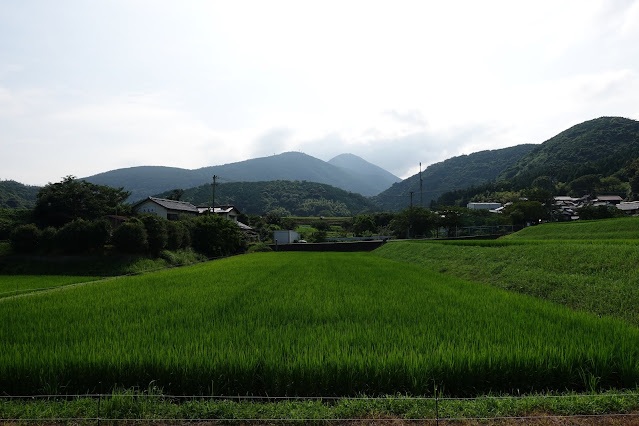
<point x="609" y="199"/>
<point x="167" y="209"/>
<point x="227" y="212"/>
<point x="630" y="208"/>
<point x="483" y="206"/>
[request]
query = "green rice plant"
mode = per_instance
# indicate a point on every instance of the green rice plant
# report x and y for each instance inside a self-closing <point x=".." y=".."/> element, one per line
<point x="620" y="228"/>
<point x="306" y="324"/>
<point x="595" y="276"/>
<point x="12" y="285"/>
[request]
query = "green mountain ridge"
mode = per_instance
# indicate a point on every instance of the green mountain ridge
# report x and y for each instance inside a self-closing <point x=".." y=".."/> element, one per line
<point x="290" y="166"/>
<point x="454" y="173"/>
<point x="600" y="146"/>
<point x="15" y="195"/>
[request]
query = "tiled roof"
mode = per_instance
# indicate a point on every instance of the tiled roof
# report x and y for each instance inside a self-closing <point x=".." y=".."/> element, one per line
<point x="174" y="205"/>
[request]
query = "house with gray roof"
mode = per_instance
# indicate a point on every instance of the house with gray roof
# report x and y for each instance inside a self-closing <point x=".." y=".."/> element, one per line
<point x="167" y="209"/>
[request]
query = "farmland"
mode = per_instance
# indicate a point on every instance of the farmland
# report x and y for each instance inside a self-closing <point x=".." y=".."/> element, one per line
<point x="11" y="285"/>
<point x="306" y="324"/>
<point x="590" y="266"/>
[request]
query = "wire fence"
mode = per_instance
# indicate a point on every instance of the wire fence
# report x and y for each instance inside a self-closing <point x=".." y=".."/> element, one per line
<point x="444" y="410"/>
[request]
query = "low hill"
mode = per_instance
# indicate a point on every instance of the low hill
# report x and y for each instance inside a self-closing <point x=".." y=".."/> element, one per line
<point x="148" y="180"/>
<point x="297" y="198"/>
<point x="14" y="195"/>
<point x="599" y="146"/>
<point x="455" y="173"/>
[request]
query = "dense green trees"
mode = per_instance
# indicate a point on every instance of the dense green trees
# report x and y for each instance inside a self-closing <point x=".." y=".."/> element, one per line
<point x="62" y="202"/>
<point x="213" y="235"/>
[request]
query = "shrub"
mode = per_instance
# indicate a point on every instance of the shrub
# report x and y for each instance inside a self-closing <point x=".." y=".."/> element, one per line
<point x="48" y="239"/>
<point x="178" y="235"/>
<point x="130" y="237"/>
<point x="259" y="247"/>
<point x="213" y="235"/>
<point x="25" y="238"/>
<point x="82" y="236"/>
<point x="156" y="231"/>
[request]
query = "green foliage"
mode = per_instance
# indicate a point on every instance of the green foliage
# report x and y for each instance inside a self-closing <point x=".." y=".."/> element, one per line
<point x="458" y="172"/>
<point x="259" y="247"/>
<point x="364" y="223"/>
<point x="526" y="212"/>
<point x="600" y="146"/>
<point x="62" y="202"/>
<point x="130" y="237"/>
<point x="599" y="212"/>
<point x="82" y="236"/>
<point x="306" y="324"/>
<point x="320" y="225"/>
<point x="156" y="232"/>
<point x="142" y="406"/>
<point x="14" y="195"/>
<point x="285" y="198"/>
<point x="11" y="218"/>
<point x="413" y="222"/>
<point x="178" y="235"/>
<point x="213" y="235"/>
<point x="25" y="238"/>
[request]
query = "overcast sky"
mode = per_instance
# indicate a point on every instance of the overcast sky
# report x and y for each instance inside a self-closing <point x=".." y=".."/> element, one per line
<point x="90" y="86"/>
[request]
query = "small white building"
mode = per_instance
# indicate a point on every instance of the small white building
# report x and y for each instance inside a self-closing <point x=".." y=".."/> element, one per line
<point x="283" y="236"/>
<point x="227" y="212"/>
<point x="483" y="206"/>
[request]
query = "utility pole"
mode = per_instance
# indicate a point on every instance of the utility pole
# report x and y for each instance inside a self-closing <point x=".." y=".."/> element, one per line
<point x="410" y="215"/>
<point x="421" y="193"/>
<point x="213" y="195"/>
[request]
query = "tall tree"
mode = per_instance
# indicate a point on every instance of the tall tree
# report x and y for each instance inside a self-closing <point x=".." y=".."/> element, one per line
<point x="62" y="202"/>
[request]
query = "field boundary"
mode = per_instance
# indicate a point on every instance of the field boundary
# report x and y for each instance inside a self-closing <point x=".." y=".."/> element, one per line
<point x="437" y="403"/>
<point x="43" y="290"/>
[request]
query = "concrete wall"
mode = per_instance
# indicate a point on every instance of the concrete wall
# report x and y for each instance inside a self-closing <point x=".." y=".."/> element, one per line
<point x="152" y="208"/>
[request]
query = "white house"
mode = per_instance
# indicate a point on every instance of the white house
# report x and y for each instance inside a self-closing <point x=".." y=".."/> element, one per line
<point x="167" y="209"/>
<point x="227" y="212"/>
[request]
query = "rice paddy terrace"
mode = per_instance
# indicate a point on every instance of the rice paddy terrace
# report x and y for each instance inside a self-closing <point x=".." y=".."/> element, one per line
<point x="400" y="320"/>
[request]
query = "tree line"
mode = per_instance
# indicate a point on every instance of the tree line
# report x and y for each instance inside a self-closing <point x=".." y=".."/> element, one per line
<point x="71" y="217"/>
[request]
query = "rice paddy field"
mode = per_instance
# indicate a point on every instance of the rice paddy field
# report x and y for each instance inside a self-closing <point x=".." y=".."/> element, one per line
<point x="581" y="267"/>
<point x="12" y="285"/>
<point x="296" y="324"/>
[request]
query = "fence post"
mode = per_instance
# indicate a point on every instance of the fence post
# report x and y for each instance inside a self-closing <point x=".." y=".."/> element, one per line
<point x="99" y="401"/>
<point x="436" y="407"/>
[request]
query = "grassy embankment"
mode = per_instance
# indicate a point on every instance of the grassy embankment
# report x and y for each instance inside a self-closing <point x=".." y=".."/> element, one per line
<point x="590" y="266"/>
<point x="306" y="324"/>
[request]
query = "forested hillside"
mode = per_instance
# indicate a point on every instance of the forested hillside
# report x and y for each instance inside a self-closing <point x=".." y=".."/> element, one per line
<point x="148" y="180"/>
<point x="455" y="173"/>
<point x="285" y="197"/>
<point x="14" y="195"/>
<point x="601" y="146"/>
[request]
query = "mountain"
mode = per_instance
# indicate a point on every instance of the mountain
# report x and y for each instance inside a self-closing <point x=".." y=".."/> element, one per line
<point x="454" y="173"/>
<point x="600" y="146"/>
<point x="297" y="198"/>
<point x="379" y="178"/>
<point x="14" y="195"/>
<point x="289" y="166"/>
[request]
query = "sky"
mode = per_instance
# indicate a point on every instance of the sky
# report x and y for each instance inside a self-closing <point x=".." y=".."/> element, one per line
<point x="91" y="86"/>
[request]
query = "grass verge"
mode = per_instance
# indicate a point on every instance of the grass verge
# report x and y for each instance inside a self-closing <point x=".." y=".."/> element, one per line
<point x="140" y="406"/>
